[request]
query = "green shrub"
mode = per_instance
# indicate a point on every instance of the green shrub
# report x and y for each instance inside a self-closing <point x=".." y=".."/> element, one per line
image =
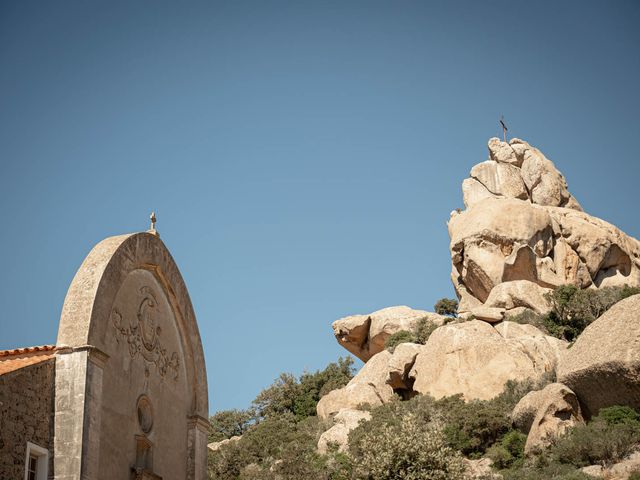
<point x="573" y="309"/>
<point x="300" y="396"/>
<point x="279" y="447"/>
<point x="403" y="336"/>
<point x="619" y="414"/>
<point x="230" y="423"/>
<point x="548" y="471"/>
<point x="447" y="306"/>
<point x="607" y="439"/>
<point x="509" y="452"/>
<point x="472" y="427"/>
<point x="424" y="329"/>
<point x="529" y="317"/>
<point x="410" y="448"/>
<point x="635" y="475"/>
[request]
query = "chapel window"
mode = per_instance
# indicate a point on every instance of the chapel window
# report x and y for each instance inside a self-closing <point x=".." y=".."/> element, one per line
<point x="36" y="464"/>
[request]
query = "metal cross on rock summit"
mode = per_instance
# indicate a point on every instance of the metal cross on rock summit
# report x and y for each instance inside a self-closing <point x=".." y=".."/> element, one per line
<point x="504" y="127"/>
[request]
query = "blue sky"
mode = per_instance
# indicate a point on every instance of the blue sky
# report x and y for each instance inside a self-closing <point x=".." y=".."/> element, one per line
<point x="302" y="157"/>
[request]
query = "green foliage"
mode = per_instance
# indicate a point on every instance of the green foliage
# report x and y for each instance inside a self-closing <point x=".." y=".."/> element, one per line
<point x="573" y="309"/>
<point x="424" y="329"/>
<point x="300" y="396"/>
<point x="403" y="336"/>
<point x="447" y="306"/>
<point x="607" y="439"/>
<point x="281" y="431"/>
<point x="230" y="423"/>
<point x="529" y="317"/>
<point x="509" y="451"/>
<point x="411" y="446"/>
<point x="545" y="470"/>
<point x="619" y="414"/>
<point x="279" y="447"/>
<point x="635" y="475"/>
<point x="472" y="427"/>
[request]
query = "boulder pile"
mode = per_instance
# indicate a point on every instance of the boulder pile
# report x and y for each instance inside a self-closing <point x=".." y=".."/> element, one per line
<point x="521" y="235"/>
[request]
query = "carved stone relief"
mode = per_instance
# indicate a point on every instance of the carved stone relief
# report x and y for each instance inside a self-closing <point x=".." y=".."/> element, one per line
<point x="142" y="334"/>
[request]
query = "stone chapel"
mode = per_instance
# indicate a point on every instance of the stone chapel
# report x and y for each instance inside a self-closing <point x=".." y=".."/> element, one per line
<point x="123" y="393"/>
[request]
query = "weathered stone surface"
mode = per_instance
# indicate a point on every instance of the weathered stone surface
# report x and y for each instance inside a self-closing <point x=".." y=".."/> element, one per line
<point x="545" y="183"/>
<point x="132" y="367"/>
<point x="519" y="293"/>
<point x="476" y="360"/>
<point x="525" y="411"/>
<point x="499" y="240"/>
<point x="473" y="191"/>
<point x="400" y="365"/>
<point x="26" y="396"/>
<point x="365" y="335"/>
<point x="488" y="314"/>
<point x="215" y="446"/>
<point x="500" y="151"/>
<point x="500" y="179"/>
<point x="546" y="415"/>
<point x="369" y="386"/>
<point x="480" y="469"/>
<point x="610" y="256"/>
<point x="603" y="365"/>
<point x="619" y="471"/>
<point x="338" y="434"/>
<point x="484" y="237"/>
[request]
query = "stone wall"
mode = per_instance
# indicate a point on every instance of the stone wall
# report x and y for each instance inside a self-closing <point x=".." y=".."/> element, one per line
<point x="26" y="415"/>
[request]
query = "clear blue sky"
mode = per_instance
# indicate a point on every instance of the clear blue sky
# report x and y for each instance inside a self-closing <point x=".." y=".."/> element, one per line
<point x="302" y="156"/>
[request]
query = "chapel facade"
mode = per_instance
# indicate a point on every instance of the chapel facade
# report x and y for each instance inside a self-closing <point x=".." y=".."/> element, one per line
<point x="123" y="393"/>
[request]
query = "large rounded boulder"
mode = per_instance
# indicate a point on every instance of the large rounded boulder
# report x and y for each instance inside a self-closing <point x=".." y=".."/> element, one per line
<point x="476" y="359"/>
<point x="603" y="365"/>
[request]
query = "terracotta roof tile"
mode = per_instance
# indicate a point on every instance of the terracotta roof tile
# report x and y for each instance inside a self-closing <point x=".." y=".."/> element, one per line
<point x="11" y="360"/>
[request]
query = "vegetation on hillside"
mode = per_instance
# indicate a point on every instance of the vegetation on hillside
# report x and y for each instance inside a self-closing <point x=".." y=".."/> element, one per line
<point x="421" y="438"/>
<point x="573" y="309"/>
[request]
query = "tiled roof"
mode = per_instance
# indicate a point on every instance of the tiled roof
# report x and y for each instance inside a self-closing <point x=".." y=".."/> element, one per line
<point x="17" y="358"/>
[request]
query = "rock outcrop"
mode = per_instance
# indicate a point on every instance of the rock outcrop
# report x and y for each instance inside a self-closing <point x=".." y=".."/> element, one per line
<point x="522" y="234"/>
<point x="522" y="225"/>
<point x="345" y="421"/>
<point x="365" y="335"/>
<point x="369" y="386"/>
<point x="476" y="360"/>
<point x="603" y="365"/>
<point x="215" y="446"/>
<point x="546" y="415"/>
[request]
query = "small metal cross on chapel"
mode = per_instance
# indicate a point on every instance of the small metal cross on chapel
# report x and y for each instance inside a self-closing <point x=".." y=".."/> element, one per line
<point x="504" y="127"/>
<point x="153" y="230"/>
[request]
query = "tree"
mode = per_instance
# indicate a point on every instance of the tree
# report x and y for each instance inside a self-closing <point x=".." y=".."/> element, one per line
<point x="230" y="423"/>
<point x="447" y="306"/>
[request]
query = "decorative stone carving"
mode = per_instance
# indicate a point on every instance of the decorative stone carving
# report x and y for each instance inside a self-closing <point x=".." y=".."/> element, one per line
<point x="143" y="335"/>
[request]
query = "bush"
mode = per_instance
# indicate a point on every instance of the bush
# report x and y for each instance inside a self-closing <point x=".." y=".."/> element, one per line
<point x="409" y="448"/>
<point x="447" y="306"/>
<point x="278" y="447"/>
<point x="300" y="396"/>
<point x="619" y="414"/>
<point x="509" y="451"/>
<point x="423" y="330"/>
<point x="573" y="309"/>
<point x="545" y="471"/>
<point x="403" y="336"/>
<point x="607" y="439"/>
<point x="230" y="423"/>
<point x="529" y="317"/>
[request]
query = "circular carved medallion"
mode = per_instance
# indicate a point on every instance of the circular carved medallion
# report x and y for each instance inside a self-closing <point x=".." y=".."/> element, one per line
<point x="145" y="414"/>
